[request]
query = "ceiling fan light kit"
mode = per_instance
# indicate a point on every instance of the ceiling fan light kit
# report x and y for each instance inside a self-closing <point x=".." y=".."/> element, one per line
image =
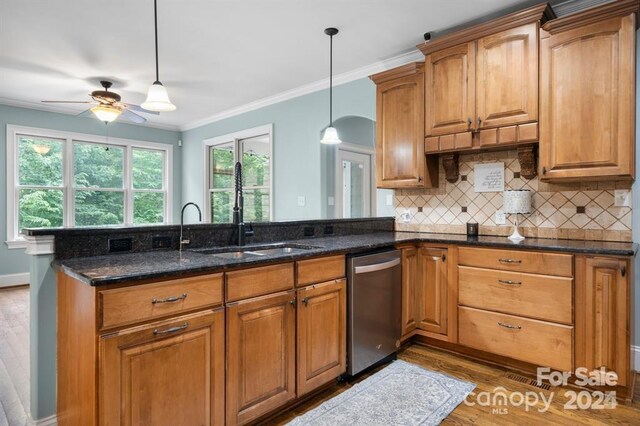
<point x="106" y="113"/>
<point x="157" y="96"/>
<point x="330" y="136"/>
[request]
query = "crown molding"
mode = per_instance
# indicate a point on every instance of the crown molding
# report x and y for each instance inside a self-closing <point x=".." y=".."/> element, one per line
<point x="347" y="77"/>
<point x="68" y="111"/>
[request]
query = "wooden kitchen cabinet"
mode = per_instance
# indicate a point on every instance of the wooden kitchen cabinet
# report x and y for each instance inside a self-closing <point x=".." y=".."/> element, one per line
<point x="432" y="290"/>
<point x="261" y="356"/>
<point x="587" y="95"/>
<point x="170" y="372"/>
<point x="409" y="294"/>
<point x="322" y="334"/>
<point x="507" y="77"/>
<point x="400" y="158"/>
<point x="450" y="90"/>
<point x="481" y="84"/>
<point x="603" y="305"/>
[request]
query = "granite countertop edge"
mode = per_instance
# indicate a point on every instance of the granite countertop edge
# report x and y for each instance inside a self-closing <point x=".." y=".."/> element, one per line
<point x="120" y="268"/>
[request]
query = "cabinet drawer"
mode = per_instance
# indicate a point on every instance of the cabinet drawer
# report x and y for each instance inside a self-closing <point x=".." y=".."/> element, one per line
<point x="536" y="342"/>
<point x="537" y="296"/>
<point x="321" y="269"/>
<point x="516" y="260"/>
<point x="253" y="282"/>
<point x="127" y="305"/>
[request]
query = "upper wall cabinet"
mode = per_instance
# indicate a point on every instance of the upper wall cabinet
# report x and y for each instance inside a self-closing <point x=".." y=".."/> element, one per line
<point x="400" y="159"/>
<point x="587" y="95"/>
<point x="481" y="83"/>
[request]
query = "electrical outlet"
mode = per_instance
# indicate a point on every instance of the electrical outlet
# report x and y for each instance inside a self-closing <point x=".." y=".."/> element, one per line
<point x="120" y="244"/>
<point x="622" y="198"/>
<point x="302" y="200"/>
<point x="160" y="242"/>
<point x="406" y="216"/>
<point x="389" y="199"/>
<point x="331" y="201"/>
<point x="501" y="218"/>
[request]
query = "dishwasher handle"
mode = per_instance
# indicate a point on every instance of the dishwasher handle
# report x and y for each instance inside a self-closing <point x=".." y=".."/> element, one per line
<point x="376" y="267"/>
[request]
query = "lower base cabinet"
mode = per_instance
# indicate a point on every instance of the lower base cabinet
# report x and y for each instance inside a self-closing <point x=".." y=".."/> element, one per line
<point x="261" y="364"/>
<point x="169" y="372"/>
<point x="322" y="328"/>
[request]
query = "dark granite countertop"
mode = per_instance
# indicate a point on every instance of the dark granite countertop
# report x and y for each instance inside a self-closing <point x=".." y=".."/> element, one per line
<point x="118" y="268"/>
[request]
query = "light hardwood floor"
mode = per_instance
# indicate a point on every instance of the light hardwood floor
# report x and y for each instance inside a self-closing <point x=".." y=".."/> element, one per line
<point x="487" y="378"/>
<point x="14" y="356"/>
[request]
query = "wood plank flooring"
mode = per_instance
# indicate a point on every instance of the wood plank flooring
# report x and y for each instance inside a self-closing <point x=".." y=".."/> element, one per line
<point x="14" y="356"/>
<point x="487" y="378"/>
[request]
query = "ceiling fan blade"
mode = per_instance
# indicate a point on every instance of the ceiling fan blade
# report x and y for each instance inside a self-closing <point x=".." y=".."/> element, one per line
<point x="138" y="108"/>
<point x="68" y="102"/>
<point x="86" y="113"/>
<point x="132" y="116"/>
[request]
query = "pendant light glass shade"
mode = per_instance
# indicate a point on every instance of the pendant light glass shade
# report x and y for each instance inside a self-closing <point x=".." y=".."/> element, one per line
<point x="157" y="96"/>
<point x="158" y="99"/>
<point x="106" y="113"/>
<point x="330" y="137"/>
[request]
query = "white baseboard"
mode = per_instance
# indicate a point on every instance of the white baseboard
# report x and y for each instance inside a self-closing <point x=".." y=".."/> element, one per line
<point x="636" y="356"/>
<point x="11" y="280"/>
<point x="47" y="421"/>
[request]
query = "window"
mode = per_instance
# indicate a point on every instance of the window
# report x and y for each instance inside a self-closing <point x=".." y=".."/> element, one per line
<point x="64" y="179"/>
<point x="252" y="148"/>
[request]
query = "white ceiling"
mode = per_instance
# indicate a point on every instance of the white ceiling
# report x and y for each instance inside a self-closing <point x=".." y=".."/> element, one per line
<point x="215" y="55"/>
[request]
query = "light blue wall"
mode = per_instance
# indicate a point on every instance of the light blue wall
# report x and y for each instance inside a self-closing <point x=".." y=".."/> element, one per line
<point x="297" y="124"/>
<point x="16" y="261"/>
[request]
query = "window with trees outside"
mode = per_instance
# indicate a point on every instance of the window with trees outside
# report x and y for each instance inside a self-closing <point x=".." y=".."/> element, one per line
<point x="252" y="148"/>
<point x="83" y="180"/>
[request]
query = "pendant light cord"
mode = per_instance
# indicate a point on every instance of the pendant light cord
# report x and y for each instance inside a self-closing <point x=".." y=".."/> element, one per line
<point x="331" y="81"/>
<point x="155" y="24"/>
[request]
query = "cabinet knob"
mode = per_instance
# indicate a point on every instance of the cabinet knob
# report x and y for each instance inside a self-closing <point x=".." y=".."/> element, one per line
<point x="419" y="178"/>
<point x="469" y="121"/>
<point x="293" y="302"/>
<point x="305" y="301"/>
<point x="544" y="170"/>
<point x="623" y="270"/>
<point x="479" y="121"/>
<point x="444" y="258"/>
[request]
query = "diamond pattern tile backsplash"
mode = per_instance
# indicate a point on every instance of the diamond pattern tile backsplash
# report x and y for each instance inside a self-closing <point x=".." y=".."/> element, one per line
<point x="572" y="210"/>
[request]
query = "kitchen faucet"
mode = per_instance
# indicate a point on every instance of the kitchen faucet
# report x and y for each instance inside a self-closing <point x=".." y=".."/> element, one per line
<point x="183" y="241"/>
<point x="238" y="208"/>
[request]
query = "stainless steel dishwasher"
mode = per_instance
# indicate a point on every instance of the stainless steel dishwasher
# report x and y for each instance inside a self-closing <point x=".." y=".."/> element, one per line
<point x="374" y="295"/>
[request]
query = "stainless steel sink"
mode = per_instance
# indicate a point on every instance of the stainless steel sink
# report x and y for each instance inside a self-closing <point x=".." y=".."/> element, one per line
<point x="248" y="252"/>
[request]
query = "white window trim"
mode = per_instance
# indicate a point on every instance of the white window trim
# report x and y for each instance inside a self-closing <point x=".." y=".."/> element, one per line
<point x="14" y="240"/>
<point x="234" y="137"/>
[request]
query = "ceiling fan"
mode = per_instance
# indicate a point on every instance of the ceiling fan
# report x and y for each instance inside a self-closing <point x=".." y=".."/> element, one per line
<point x="108" y="106"/>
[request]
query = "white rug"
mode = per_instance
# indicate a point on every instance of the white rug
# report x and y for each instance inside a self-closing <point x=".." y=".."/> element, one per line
<point x="400" y="394"/>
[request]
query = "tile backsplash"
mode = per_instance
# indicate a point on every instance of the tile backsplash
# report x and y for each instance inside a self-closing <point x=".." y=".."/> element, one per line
<point x="568" y="210"/>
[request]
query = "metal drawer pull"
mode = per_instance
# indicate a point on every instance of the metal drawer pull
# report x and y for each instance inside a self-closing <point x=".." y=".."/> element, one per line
<point x="376" y="267"/>
<point x="510" y="282"/>
<point x="184" y="326"/>
<point x="509" y="326"/>
<point x="171" y="299"/>
<point x="509" y="261"/>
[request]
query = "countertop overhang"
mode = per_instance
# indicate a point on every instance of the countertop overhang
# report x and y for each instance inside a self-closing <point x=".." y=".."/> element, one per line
<point x="163" y="264"/>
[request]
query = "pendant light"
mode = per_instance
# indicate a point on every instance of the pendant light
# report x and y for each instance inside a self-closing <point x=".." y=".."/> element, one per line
<point x="157" y="96"/>
<point x="330" y="134"/>
<point x="106" y="113"/>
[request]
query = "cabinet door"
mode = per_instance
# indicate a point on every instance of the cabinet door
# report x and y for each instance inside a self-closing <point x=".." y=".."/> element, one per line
<point x="409" y="297"/>
<point x="260" y="356"/>
<point x="507" y="77"/>
<point x="587" y="100"/>
<point x="432" y="287"/>
<point x="602" y="315"/>
<point x="400" y="159"/>
<point x="450" y="90"/>
<point x="322" y="334"/>
<point x="169" y="372"/>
